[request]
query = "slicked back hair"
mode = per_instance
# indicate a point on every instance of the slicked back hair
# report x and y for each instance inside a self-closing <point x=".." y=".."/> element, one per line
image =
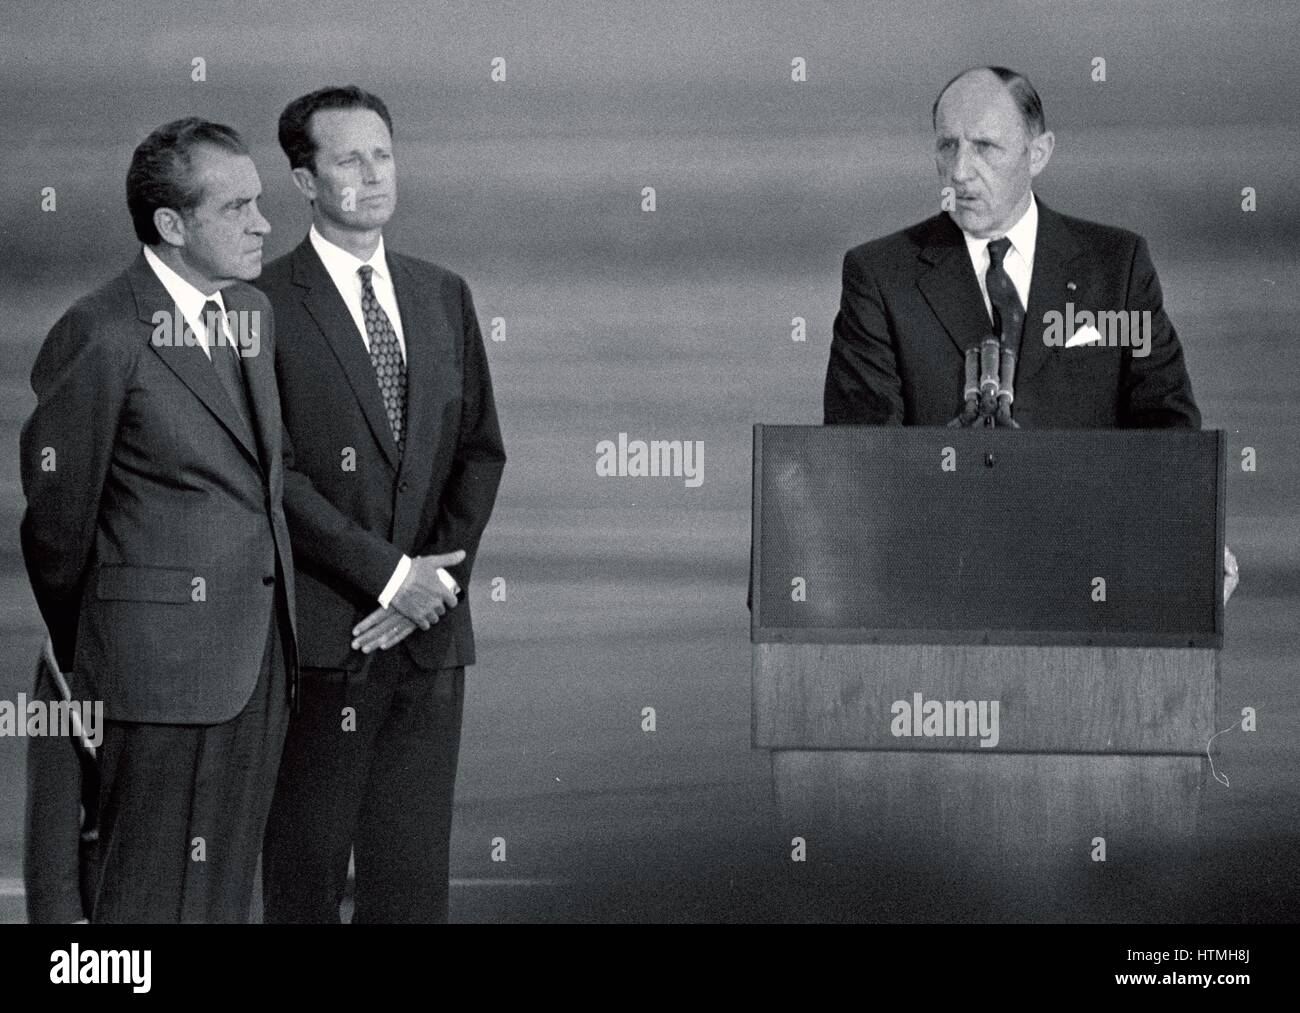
<point x="295" y="121"/>
<point x="161" y="172"/>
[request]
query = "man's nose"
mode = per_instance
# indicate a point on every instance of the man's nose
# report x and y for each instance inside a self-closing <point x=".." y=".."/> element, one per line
<point x="370" y="170"/>
<point x="259" y="226"/>
<point x="961" y="168"/>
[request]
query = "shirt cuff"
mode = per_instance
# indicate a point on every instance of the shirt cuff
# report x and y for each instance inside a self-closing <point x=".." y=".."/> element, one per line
<point x="395" y="581"/>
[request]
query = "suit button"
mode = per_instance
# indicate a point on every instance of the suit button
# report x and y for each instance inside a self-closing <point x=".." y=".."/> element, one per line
<point x="269" y="579"/>
<point x="404" y="486"/>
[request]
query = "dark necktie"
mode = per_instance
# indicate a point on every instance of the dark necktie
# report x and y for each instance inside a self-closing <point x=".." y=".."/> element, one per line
<point x="386" y="357"/>
<point x="1008" y="313"/>
<point x="225" y="360"/>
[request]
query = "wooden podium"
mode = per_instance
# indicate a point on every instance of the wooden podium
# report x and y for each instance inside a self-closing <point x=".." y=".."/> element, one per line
<point x="904" y="581"/>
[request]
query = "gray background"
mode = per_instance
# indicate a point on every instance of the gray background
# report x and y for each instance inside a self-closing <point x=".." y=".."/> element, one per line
<point x="624" y="594"/>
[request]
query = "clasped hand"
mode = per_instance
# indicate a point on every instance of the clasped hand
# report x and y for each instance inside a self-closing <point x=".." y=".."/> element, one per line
<point x="421" y="601"/>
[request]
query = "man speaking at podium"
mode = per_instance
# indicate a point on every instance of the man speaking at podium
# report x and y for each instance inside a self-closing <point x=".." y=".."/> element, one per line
<point x="999" y="261"/>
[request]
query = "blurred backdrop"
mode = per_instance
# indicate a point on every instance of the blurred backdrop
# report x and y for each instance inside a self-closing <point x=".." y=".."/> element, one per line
<point x="676" y="325"/>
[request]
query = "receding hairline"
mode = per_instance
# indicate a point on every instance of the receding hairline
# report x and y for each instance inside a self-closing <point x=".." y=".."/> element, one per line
<point x="1023" y="96"/>
<point x="296" y="129"/>
<point x="193" y="172"/>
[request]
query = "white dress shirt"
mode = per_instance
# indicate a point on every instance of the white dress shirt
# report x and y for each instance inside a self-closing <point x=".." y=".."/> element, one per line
<point x="1019" y="261"/>
<point x="342" y="268"/>
<point x="188" y="299"/>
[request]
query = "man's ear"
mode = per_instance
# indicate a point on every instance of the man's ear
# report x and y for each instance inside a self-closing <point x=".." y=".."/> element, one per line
<point x="305" y="180"/>
<point x="1040" y="152"/>
<point x="170" y="226"/>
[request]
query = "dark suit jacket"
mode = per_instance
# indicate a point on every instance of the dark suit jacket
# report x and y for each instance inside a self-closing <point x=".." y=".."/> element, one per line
<point x="351" y="527"/>
<point x="140" y="479"/>
<point x="911" y="305"/>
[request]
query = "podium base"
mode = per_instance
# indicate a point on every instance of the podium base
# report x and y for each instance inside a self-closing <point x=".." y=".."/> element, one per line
<point x="981" y="812"/>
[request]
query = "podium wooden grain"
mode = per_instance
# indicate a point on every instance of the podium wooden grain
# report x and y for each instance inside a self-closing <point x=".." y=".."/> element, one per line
<point x="991" y="813"/>
<point x="1093" y="743"/>
<point x="1103" y="719"/>
<point x="1051" y="699"/>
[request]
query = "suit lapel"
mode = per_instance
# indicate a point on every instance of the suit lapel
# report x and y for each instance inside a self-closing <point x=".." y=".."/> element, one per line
<point x="432" y="380"/>
<point x="327" y="308"/>
<point x="950" y="286"/>
<point x="189" y="362"/>
<point x="417" y="320"/>
<point x="259" y="373"/>
<point x="1054" y="253"/>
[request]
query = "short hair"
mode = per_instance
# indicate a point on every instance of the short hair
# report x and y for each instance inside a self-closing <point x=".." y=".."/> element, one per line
<point x="295" y="121"/>
<point x="1022" y="93"/>
<point x="161" y="170"/>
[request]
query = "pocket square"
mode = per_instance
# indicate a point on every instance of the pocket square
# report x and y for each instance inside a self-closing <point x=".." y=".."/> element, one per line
<point x="1084" y="336"/>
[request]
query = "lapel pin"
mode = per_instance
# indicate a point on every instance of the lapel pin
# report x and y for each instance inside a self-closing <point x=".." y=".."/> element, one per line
<point x="1070" y="286"/>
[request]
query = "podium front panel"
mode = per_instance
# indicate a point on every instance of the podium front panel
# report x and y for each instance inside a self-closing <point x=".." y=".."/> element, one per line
<point x="987" y="536"/>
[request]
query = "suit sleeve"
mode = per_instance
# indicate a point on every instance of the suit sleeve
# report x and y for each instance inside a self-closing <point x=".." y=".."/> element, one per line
<point x="1157" y="392"/>
<point x="862" y="382"/>
<point x="52" y="842"/>
<point x="471" y="488"/>
<point x="79" y="379"/>
<point x="329" y="539"/>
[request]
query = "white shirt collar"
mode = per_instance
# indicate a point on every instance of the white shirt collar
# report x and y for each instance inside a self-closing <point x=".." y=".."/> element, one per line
<point x="342" y="265"/>
<point x="188" y="298"/>
<point x="1023" y="235"/>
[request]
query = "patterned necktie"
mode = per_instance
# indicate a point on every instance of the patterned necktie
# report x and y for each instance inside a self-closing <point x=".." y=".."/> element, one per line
<point x="225" y="360"/>
<point x="1008" y="313"/>
<point x="386" y="357"/>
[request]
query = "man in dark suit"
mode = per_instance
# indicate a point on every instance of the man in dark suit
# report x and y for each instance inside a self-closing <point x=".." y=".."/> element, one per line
<point x="999" y="260"/>
<point x="393" y="456"/>
<point x="154" y="536"/>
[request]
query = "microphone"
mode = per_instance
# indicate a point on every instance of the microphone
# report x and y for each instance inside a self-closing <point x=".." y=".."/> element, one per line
<point x="989" y="376"/>
<point x="1006" y="389"/>
<point x="971" y="393"/>
<point x="990" y="385"/>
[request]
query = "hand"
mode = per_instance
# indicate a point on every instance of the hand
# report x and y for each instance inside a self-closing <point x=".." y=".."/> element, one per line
<point x="423" y="596"/>
<point x="1230" y="578"/>
<point x="382" y="629"/>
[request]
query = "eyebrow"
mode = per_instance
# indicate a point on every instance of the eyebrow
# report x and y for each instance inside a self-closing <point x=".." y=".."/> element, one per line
<point x="982" y="138"/>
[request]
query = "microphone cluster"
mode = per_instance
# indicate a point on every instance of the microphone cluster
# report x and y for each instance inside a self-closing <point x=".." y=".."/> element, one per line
<point x="989" y="391"/>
